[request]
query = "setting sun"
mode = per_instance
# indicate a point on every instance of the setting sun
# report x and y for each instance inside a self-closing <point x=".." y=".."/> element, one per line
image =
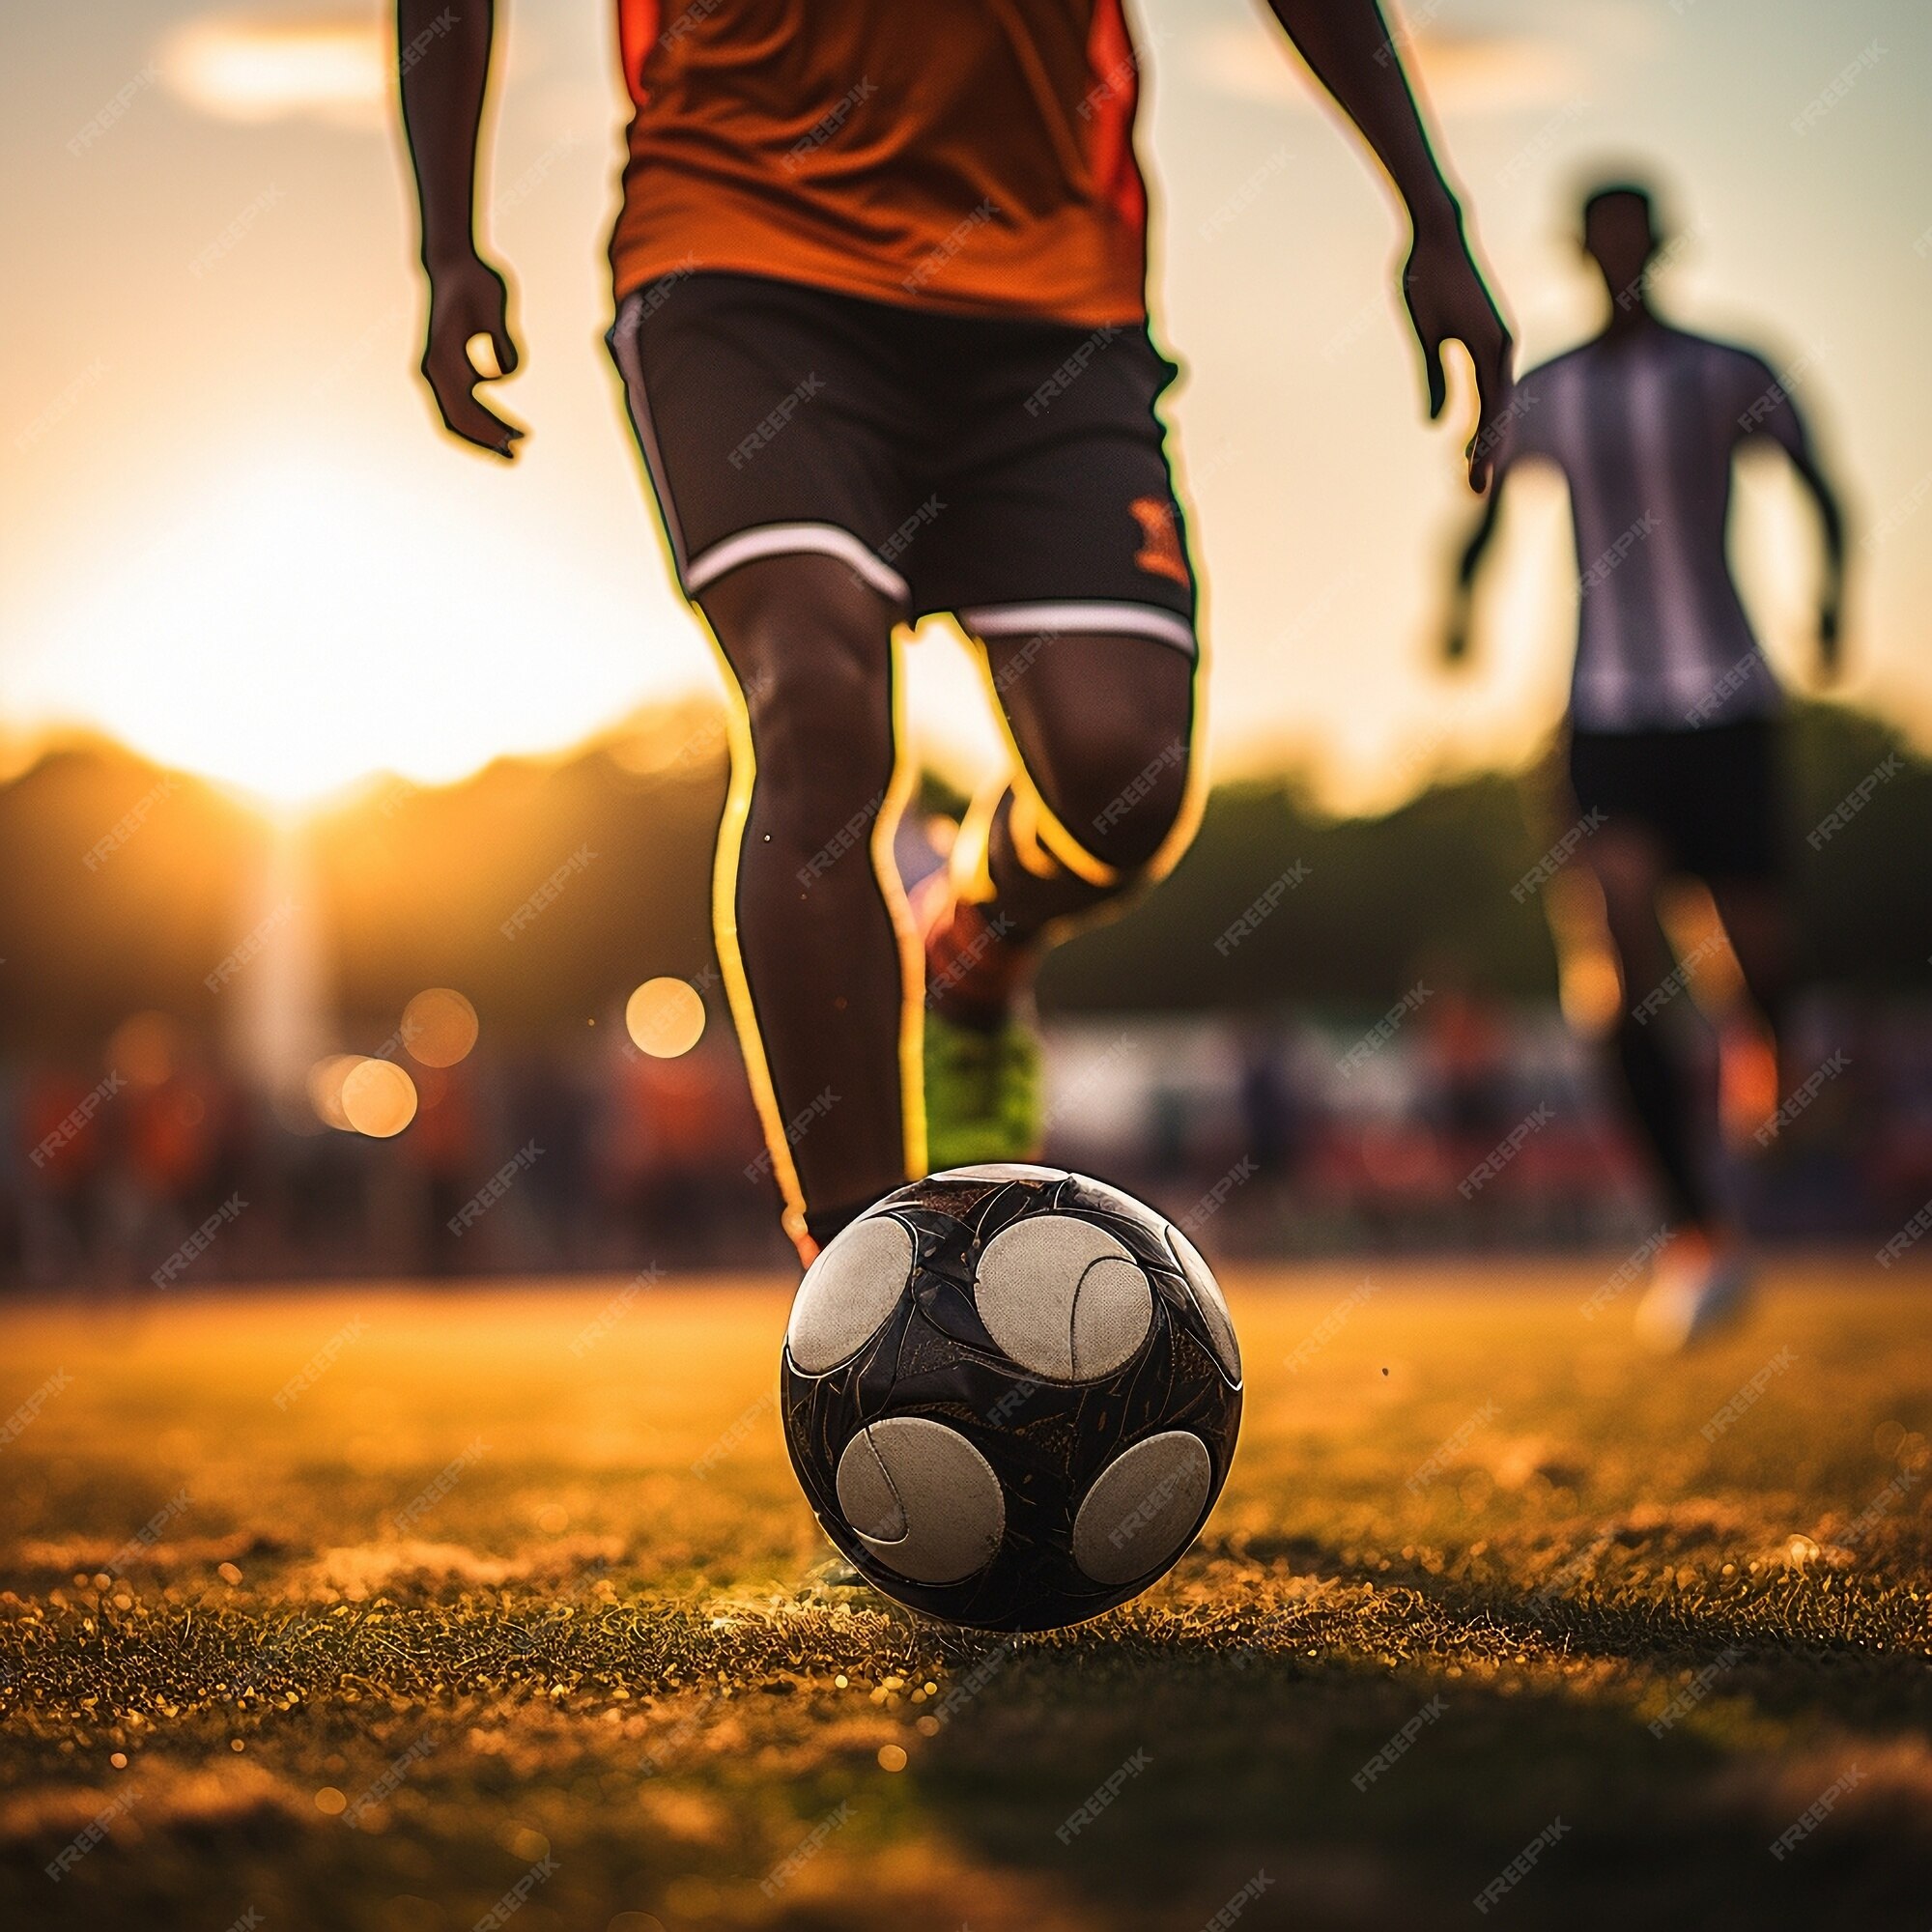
<point x="310" y="625"/>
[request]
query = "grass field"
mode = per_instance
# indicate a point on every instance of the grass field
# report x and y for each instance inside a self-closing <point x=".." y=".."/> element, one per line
<point x="395" y="1609"/>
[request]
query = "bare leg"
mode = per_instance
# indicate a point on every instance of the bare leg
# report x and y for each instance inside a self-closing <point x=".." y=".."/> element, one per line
<point x="1103" y="726"/>
<point x="814" y="940"/>
<point x="1628" y="866"/>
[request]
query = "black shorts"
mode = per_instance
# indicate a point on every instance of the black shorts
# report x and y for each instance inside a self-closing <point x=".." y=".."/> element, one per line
<point x="1010" y="471"/>
<point x="1713" y="798"/>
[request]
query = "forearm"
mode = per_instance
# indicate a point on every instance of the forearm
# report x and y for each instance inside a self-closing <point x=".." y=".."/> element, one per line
<point x="1351" y="51"/>
<point x="443" y="62"/>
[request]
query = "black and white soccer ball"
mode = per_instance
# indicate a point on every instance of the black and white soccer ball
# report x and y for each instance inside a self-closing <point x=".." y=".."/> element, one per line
<point x="1011" y="1395"/>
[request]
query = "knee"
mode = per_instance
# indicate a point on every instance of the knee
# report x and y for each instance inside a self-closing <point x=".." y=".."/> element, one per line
<point x="1128" y="794"/>
<point x="812" y="654"/>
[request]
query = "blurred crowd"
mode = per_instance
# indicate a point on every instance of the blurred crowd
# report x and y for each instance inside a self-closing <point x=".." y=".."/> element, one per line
<point x="1444" y="1122"/>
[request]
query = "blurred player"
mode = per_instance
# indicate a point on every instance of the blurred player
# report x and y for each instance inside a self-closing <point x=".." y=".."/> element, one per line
<point x="881" y="320"/>
<point x="1674" y="739"/>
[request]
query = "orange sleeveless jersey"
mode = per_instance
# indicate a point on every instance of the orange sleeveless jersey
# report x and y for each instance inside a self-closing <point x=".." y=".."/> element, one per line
<point x="971" y="155"/>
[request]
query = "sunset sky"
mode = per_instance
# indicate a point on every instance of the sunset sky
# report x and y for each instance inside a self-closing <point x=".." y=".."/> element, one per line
<point x="230" y="536"/>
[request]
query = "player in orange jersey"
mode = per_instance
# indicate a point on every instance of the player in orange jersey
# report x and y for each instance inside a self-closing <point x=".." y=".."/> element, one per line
<point x="881" y="320"/>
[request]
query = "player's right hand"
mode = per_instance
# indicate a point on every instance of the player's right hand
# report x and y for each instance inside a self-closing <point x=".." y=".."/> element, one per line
<point x="468" y="299"/>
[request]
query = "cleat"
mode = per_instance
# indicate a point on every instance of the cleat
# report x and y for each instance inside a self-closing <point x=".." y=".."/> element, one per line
<point x="983" y="1093"/>
<point x="1692" y="1297"/>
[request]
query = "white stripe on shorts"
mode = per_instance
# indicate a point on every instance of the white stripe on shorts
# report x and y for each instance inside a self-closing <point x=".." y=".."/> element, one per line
<point x="1139" y="621"/>
<point x="792" y="540"/>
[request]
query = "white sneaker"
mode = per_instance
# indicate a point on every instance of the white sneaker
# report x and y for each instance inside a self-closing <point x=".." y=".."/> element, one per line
<point x="1692" y="1297"/>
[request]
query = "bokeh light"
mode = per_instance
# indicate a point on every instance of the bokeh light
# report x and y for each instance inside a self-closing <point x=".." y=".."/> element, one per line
<point x="324" y="1088"/>
<point x="440" y="1027"/>
<point x="144" y="1048"/>
<point x="665" y="1017"/>
<point x="379" y="1098"/>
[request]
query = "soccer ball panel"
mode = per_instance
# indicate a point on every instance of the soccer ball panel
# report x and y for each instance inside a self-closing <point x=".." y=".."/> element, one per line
<point x="1061" y="1297"/>
<point x="1001" y="1171"/>
<point x="847" y="1293"/>
<point x="921" y="1498"/>
<point x="1212" y="1302"/>
<point x="1141" y="1512"/>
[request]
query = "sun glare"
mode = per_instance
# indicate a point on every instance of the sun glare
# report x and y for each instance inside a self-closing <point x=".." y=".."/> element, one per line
<point x="316" y="624"/>
<point x="263" y="70"/>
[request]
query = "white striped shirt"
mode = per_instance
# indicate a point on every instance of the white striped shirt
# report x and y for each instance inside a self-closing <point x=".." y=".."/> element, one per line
<point x="1644" y="430"/>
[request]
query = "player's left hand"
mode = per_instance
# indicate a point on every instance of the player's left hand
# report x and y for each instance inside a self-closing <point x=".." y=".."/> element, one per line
<point x="1448" y="301"/>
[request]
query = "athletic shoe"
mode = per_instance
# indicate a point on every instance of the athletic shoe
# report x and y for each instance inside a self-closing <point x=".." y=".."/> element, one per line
<point x="982" y="1092"/>
<point x="1692" y="1295"/>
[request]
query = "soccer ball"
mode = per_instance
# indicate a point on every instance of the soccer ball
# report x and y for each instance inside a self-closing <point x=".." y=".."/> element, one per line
<point x="1011" y="1395"/>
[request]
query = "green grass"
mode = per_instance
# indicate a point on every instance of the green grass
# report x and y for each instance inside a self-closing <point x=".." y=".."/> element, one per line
<point x="586" y="1667"/>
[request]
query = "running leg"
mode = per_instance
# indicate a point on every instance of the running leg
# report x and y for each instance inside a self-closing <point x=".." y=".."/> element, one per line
<point x="815" y="940"/>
